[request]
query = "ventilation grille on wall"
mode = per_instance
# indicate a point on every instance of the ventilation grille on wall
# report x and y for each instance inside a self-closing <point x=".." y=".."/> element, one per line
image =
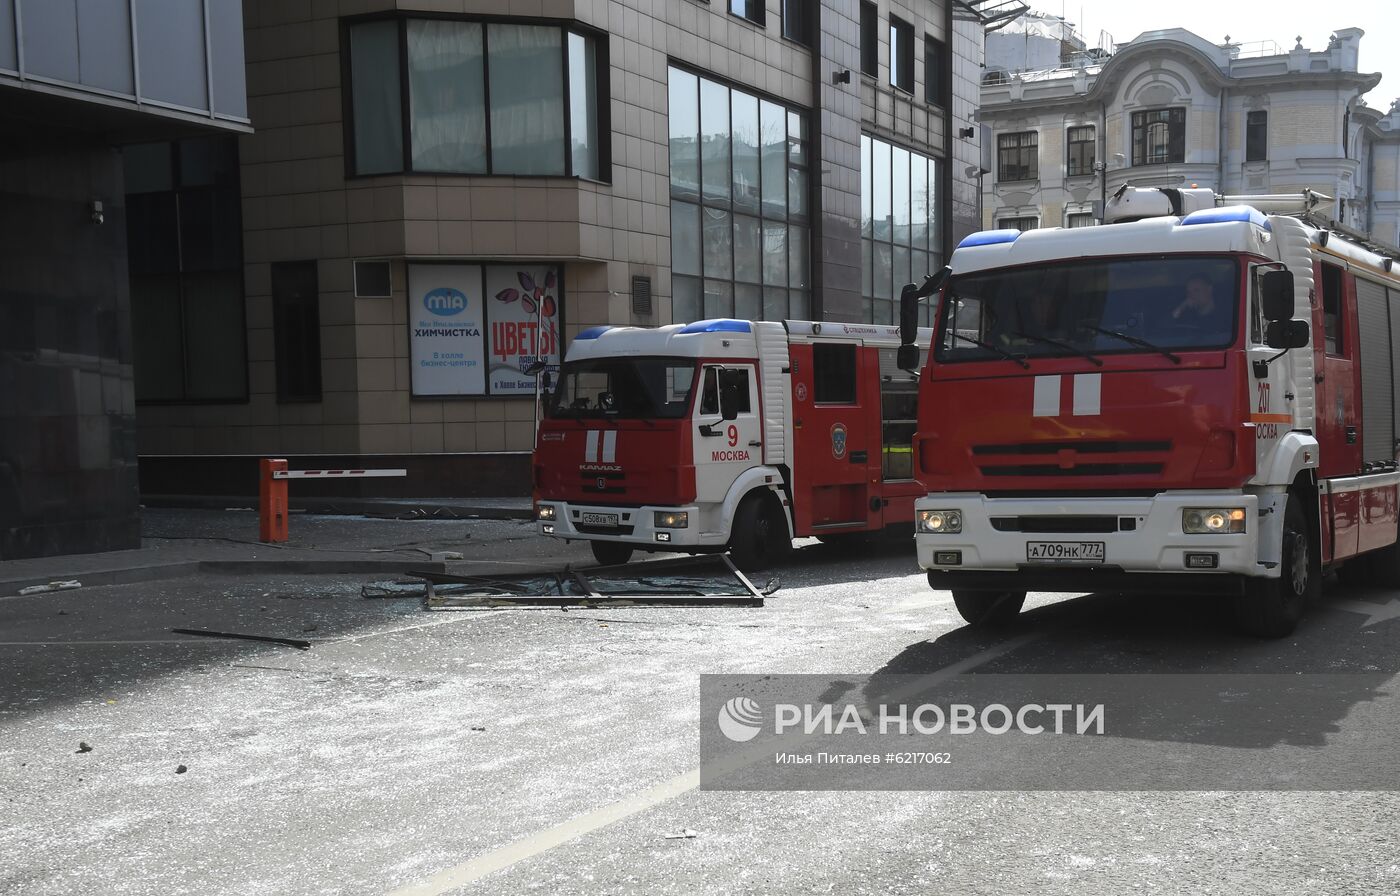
<point x="641" y="295"/>
<point x="372" y="280"/>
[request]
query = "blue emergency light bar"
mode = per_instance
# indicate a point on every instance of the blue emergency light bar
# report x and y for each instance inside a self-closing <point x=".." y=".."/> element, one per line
<point x="718" y="325"/>
<point x="989" y="238"/>
<point x="593" y="332"/>
<point x="1225" y="213"/>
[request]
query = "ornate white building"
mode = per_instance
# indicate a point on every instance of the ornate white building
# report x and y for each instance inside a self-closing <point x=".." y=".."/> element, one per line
<point x="1171" y="109"/>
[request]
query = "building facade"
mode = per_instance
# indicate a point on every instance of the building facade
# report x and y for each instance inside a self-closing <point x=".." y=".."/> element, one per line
<point x="78" y="80"/>
<point x="1171" y="109"/>
<point x="438" y="196"/>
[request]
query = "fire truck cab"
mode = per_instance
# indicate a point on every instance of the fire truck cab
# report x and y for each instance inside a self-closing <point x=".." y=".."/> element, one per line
<point x="726" y="435"/>
<point x="1196" y="400"/>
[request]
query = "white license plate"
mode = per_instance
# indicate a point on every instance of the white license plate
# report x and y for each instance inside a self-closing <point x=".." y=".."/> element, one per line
<point x="1064" y="551"/>
<point x="598" y="519"/>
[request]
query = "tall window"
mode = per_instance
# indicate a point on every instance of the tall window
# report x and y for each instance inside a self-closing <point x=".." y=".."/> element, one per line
<point x="902" y="54"/>
<point x="869" y="38"/>
<point x="1017" y="156"/>
<point x="753" y="10"/>
<point x="1079" y="219"/>
<point x="1159" y="136"/>
<point x="901" y="240"/>
<point x="739" y="215"/>
<point x="296" y="324"/>
<point x="935" y="74"/>
<point x="1022" y="224"/>
<point x="1079" y="150"/>
<point x="481" y="98"/>
<point x="184" y="232"/>
<point x="797" y="21"/>
<point x="1256" y="137"/>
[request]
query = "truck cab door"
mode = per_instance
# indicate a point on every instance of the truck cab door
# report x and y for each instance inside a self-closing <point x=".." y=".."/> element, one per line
<point x="728" y="433"/>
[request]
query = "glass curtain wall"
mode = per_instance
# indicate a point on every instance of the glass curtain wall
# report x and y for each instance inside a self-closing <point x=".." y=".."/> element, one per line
<point x="901" y="236"/>
<point x="739" y="217"/>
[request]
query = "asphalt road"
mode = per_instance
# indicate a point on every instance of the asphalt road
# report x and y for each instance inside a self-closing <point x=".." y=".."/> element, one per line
<point x="542" y="751"/>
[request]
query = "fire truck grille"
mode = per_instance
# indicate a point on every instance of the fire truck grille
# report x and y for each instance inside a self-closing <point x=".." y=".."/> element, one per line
<point x="1077" y="447"/>
<point x="1081" y="458"/>
<point x="603" y="530"/>
<point x="1076" y="470"/>
<point x="1076" y="524"/>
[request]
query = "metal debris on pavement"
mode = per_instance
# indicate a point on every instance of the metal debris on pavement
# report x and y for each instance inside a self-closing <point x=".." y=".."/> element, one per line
<point x="268" y="639"/>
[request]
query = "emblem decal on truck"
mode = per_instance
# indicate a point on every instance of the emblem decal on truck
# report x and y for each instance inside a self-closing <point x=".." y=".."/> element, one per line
<point x="838" y="440"/>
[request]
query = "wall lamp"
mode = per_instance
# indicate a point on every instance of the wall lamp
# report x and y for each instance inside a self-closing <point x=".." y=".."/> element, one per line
<point x="966" y="132"/>
<point x="842" y="76"/>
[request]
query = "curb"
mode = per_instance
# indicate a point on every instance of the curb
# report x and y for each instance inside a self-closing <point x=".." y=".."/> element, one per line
<point x="183" y="568"/>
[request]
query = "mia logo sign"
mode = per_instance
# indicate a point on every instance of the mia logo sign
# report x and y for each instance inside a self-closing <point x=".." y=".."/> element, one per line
<point x="444" y="302"/>
<point x="446" y="327"/>
<point x="524" y="314"/>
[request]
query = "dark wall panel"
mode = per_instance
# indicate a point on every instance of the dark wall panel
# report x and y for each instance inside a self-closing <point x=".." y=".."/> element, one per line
<point x="68" y="474"/>
<point x="170" y="41"/>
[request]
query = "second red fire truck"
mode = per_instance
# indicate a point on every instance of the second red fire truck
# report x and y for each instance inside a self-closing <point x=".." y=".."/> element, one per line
<point x="1202" y="399"/>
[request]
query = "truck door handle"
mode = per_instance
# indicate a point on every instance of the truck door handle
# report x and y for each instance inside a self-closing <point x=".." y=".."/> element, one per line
<point x="858" y="457"/>
<point x="1351" y="435"/>
<point x="709" y="431"/>
<point x="755" y="443"/>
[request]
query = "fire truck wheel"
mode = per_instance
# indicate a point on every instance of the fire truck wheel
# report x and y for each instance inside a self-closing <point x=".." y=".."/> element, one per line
<point x="1271" y="608"/>
<point x="611" y="553"/>
<point x="760" y="537"/>
<point x="989" y="609"/>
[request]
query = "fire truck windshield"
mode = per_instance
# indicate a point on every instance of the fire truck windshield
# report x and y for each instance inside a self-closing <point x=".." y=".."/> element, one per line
<point x="626" y="388"/>
<point x="1087" y="308"/>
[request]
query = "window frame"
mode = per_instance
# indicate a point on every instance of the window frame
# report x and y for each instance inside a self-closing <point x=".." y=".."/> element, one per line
<point x="869" y="43"/>
<point x="835" y="374"/>
<point x="1176" y="141"/>
<point x="1256" y="143"/>
<point x="751" y="6"/>
<point x="901" y="63"/>
<point x="1074" y="152"/>
<point x="1031" y="170"/>
<point x="936" y="75"/>
<point x="1071" y="216"/>
<point x="802" y="35"/>
<point x="603" y="99"/>
<point x="1015" y="222"/>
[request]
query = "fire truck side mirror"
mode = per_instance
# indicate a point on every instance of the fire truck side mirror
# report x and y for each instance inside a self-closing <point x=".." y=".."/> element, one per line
<point x="1286" y="334"/>
<point x="1276" y="295"/>
<point x="908" y="317"/>
<point x="907" y="358"/>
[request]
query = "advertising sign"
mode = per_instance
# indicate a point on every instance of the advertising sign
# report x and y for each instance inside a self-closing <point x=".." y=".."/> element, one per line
<point x="446" y="329"/>
<point x="523" y="316"/>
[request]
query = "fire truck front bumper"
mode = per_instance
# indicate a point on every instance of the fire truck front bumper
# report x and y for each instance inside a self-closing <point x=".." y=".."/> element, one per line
<point x="657" y="528"/>
<point x="1171" y="541"/>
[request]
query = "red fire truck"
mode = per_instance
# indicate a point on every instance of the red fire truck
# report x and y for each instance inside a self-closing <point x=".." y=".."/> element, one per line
<point x="727" y="435"/>
<point x="1199" y="398"/>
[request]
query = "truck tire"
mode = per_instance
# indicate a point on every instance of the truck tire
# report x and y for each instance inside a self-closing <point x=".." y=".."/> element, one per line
<point x="1271" y="608"/>
<point x="611" y="553"/>
<point x="760" y="537"/>
<point x="989" y="609"/>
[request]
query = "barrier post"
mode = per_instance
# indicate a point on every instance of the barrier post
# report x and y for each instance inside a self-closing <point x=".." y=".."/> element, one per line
<point x="272" y="500"/>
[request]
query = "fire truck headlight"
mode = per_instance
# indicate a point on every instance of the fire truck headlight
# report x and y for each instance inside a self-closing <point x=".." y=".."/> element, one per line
<point x="940" y="521"/>
<point x="670" y="519"/>
<point x="1212" y="520"/>
<point x="544" y="511"/>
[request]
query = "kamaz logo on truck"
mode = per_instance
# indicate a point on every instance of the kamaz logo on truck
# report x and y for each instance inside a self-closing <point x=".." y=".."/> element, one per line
<point x="599" y="468"/>
<point x="445" y="301"/>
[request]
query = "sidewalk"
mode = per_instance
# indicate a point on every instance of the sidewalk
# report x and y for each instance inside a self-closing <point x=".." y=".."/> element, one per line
<point x="386" y="537"/>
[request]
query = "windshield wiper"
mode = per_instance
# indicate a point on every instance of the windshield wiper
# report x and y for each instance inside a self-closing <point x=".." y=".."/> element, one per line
<point x="1133" y="340"/>
<point x="992" y="348"/>
<point x="1098" y="362"/>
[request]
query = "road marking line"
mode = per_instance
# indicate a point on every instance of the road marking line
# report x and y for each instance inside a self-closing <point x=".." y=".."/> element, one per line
<point x="533" y="845"/>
